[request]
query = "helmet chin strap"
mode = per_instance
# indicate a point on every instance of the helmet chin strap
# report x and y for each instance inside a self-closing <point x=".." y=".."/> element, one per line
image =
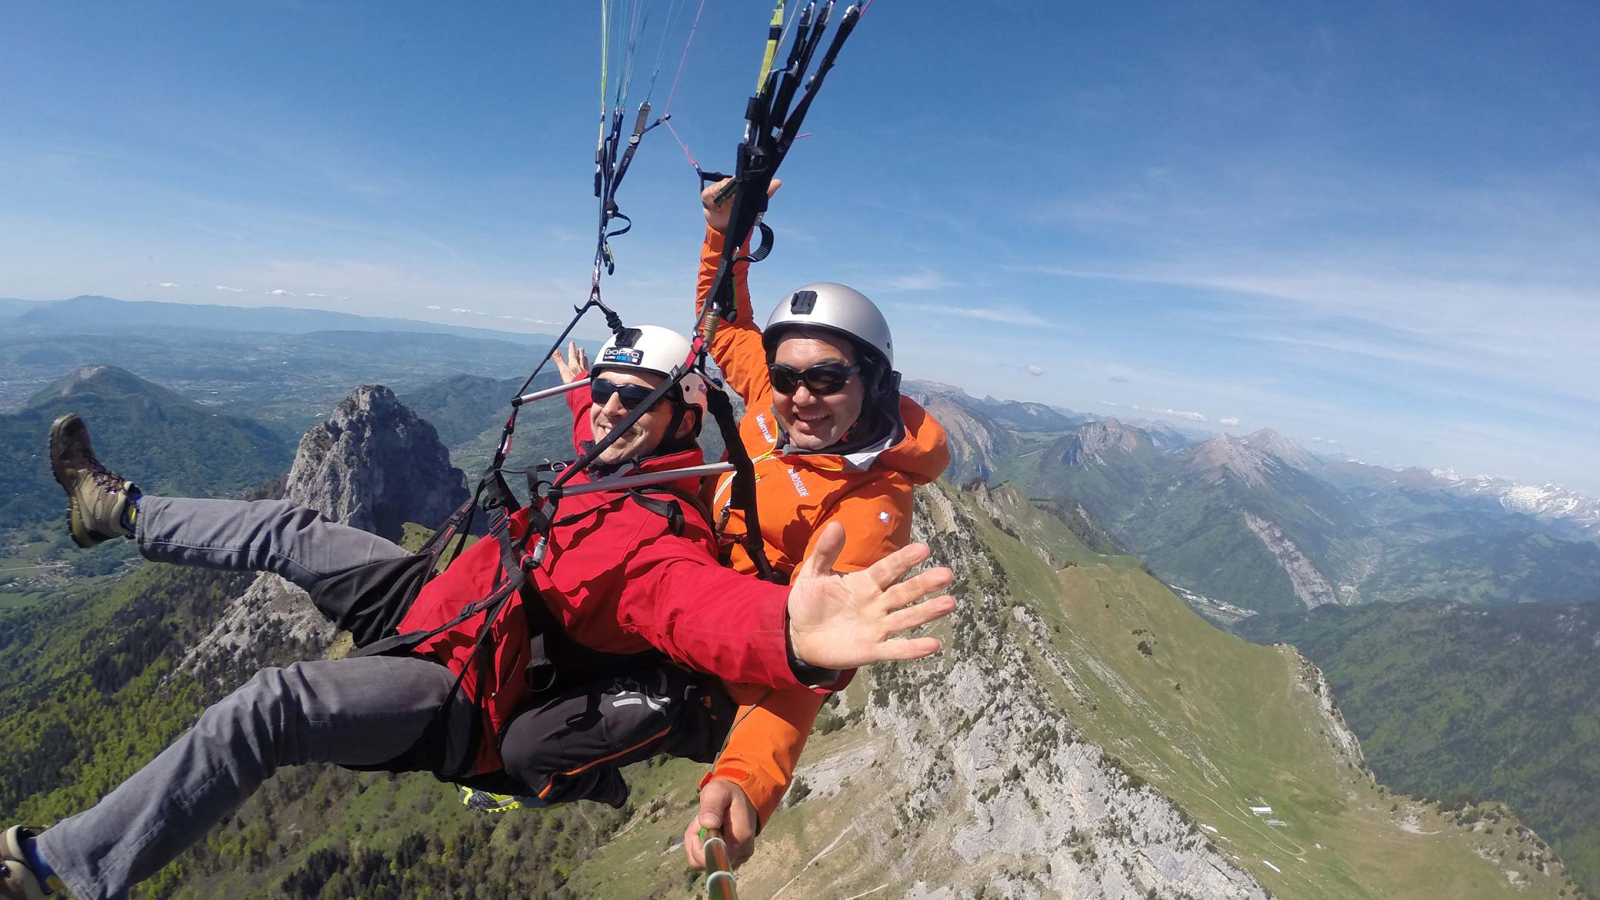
<point x="671" y="442"/>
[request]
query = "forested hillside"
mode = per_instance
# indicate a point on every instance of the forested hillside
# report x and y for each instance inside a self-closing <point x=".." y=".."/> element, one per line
<point x="164" y="441"/>
<point x="1453" y="701"/>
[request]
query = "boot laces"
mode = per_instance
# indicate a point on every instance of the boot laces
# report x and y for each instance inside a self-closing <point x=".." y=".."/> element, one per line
<point x="105" y="479"/>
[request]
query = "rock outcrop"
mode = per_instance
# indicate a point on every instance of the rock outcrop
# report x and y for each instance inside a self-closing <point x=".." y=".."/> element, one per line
<point x="373" y="465"/>
<point x="1310" y="586"/>
<point x="988" y="787"/>
<point x="1093" y="443"/>
<point x="976" y="442"/>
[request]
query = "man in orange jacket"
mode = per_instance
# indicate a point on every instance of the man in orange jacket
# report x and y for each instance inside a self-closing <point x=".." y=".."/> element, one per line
<point x="832" y="441"/>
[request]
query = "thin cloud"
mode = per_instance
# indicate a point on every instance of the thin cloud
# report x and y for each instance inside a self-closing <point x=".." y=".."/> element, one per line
<point x="231" y="290"/>
<point x="170" y="284"/>
<point x="1414" y="274"/>
<point x="436" y="308"/>
<point x="1002" y="316"/>
<point x="280" y="292"/>
<point x="1186" y="415"/>
<point x="1119" y="379"/>
<point x="924" y="280"/>
<point x="324" y="296"/>
<point x="1229" y="422"/>
<point x="1035" y="371"/>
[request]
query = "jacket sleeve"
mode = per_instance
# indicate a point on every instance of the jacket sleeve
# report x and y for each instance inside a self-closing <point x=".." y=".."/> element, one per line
<point x="765" y="746"/>
<point x="674" y="595"/>
<point x="763" y="749"/>
<point x="737" y="345"/>
<point x="579" y="400"/>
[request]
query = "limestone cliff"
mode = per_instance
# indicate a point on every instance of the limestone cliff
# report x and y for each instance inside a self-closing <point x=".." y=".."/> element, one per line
<point x="374" y="465"/>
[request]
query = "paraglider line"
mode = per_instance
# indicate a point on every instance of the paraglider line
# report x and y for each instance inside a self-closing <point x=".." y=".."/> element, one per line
<point x="687" y="44"/>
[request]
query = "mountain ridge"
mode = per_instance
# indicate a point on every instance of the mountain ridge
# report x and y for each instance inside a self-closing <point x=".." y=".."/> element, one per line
<point x="170" y="442"/>
<point x="96" y="313"/>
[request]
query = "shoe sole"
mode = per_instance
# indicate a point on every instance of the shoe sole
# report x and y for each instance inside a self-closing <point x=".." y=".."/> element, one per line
<point x="81" y="535"/>
<point x="23" y="879"/>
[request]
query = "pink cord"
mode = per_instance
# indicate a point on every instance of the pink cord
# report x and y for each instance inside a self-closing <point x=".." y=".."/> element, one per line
<point x="674" y="131"/>
<point x="685" y="59"/>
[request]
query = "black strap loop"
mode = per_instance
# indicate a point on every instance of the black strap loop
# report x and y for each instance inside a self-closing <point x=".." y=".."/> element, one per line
<point x="743" y="491"/>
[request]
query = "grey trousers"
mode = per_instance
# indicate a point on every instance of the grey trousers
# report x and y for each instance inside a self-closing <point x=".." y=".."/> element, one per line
<point x="358" y="712"/>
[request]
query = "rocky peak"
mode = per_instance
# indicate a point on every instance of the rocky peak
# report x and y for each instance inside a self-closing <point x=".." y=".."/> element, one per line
<point x="976" y="442"/>
<point x="1283" y="448"/>
<point x="375" y="465"/>
<point x="1093" y="443"/>
<point x="1226" y="455"/>
<point x="919" y="389"/>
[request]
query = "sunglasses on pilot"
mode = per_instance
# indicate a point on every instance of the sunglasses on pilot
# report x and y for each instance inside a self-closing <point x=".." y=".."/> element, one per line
<point x="821" y="379"/>
<point x="630" y="395"/>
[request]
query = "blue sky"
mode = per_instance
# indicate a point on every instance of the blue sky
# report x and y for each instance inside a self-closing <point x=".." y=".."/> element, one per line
<point x="1373" y="224"/>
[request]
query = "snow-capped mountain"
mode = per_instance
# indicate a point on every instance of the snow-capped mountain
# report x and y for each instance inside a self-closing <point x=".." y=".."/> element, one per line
<point x="1548" y="502"/>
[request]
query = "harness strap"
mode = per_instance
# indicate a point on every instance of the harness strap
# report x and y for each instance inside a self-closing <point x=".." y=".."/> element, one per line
<point x="743" y="491"/>
<point x="666" y="509"/>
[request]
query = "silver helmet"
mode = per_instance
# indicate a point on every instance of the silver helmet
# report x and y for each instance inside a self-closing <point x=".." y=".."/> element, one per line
<point x="832" y="307"/>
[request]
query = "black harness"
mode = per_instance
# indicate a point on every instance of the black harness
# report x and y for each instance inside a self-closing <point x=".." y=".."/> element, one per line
<point x="371" y="601"/>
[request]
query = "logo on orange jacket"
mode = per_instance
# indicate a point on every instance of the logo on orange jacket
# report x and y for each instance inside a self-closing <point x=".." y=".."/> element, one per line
<point x="798" y="484"/>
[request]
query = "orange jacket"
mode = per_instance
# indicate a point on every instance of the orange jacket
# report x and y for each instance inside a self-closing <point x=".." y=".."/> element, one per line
<point x="796" y="494"/>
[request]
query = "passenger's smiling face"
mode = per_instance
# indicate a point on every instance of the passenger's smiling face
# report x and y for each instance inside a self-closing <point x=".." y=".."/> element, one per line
<point x="645" y="435"/>
<point x="816" y="422"/>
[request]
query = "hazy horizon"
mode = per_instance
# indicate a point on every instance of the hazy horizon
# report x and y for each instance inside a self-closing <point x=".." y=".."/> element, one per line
<point x="1126" y="413"/>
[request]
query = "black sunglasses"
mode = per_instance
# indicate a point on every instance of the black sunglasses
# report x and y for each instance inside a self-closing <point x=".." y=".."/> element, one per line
<point x="631" y="395"/>
<point x="821" y="379"/>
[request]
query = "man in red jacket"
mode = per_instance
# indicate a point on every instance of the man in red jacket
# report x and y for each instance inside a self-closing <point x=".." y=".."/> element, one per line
<point x="618" y="577"/>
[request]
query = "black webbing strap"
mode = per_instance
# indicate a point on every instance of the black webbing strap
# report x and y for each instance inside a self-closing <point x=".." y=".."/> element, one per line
<point x="771" y="127"/>
<point x="743" y="491"/>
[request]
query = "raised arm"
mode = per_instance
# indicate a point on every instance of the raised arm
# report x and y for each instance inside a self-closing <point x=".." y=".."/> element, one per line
<point x="573" y="366"/>
<point x="737" y="345"/>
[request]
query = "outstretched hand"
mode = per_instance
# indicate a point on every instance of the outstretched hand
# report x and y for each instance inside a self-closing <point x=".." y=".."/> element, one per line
<point x="717" y="214"/>
<point x="846" y="621"/>
<point x="574" y="365"/>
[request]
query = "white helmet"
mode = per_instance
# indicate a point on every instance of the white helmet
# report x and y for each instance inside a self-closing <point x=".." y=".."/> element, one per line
<point x="836" y="308"/>
<point x="654" y="349"/>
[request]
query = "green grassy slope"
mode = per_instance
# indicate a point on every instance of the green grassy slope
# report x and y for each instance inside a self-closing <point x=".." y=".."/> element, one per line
<point x="1220" y="725"/>
<point x="1454" y="701"/>
<point x="1214" y="723"/>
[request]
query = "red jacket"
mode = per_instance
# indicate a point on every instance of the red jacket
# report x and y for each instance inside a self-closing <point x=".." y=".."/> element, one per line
<point x="619" y="582"/>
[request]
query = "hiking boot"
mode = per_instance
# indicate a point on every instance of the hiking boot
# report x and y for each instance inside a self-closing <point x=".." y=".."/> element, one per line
<point x="99" y="496"/>
<point x="17" y="881"/>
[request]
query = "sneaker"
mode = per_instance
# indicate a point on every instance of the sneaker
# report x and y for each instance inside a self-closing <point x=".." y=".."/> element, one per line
<point x="487" y="801"/>
<point x="99" y="496"/>
<point x="17" y="881"/>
